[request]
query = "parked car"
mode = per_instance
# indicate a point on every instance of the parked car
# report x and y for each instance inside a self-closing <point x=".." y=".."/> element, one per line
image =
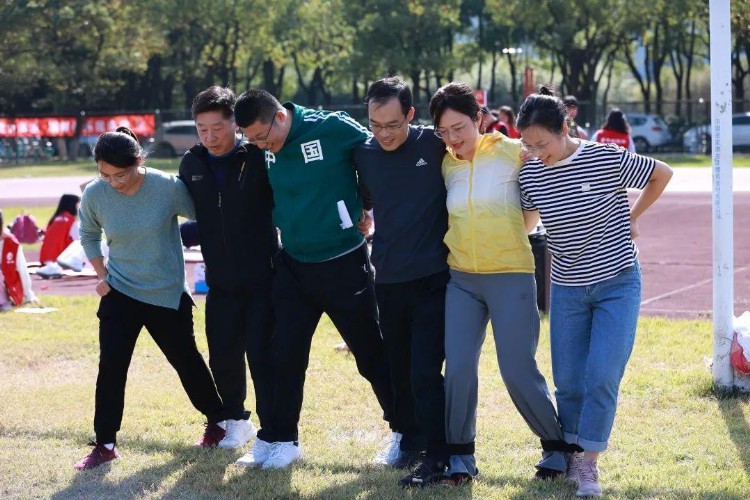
<point x="698" y="139"/>
<point x="648" y="131"/>
<point x="174" y="138"/>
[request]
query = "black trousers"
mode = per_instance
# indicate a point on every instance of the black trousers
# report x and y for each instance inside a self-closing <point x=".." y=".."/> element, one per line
<point x="240" y="325"/>
<point x="120" y="321"/>
<point x="412" y="319"/>
<point x="343" y="289"/>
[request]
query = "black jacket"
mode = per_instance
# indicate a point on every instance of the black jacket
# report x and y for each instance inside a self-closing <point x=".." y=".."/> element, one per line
<point x="235" y="226"/>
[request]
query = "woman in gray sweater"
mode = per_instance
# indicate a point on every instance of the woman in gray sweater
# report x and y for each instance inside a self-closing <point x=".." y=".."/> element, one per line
<point x="142" y="283"/>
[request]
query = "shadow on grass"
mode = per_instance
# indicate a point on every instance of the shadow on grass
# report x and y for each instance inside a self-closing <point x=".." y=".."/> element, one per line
<point x="731" y="406"/>
<point x="188" y="460"/>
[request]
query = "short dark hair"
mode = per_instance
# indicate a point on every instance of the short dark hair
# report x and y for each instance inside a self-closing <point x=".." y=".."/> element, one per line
<point x="255" y="105"/>
<point x="384" y="89"/>
<point x="120" y="148"/>
<point x="570" y="101"/>
<point x="2" y="225"/>
<point x="543" y="110"/>
<point x="456" y="96"/>
<point x="214" y="99"/>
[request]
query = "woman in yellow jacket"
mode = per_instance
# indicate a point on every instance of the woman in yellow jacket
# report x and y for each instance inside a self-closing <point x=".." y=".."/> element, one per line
<point x="492" y="279"/>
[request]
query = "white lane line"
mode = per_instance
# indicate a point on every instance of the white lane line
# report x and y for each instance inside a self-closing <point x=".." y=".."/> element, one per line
<point x="686" y="288"/>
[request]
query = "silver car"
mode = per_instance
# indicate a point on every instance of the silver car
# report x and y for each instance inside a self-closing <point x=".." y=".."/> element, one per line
<point x="698" y="139"/>
<point x="174" y="138"/>
<point x="648" y="132"/>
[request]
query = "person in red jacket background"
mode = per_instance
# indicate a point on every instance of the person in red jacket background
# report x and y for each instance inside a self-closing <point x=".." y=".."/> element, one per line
<point x="62" y="229"/>
<point x="15" y="283"/>
<point x="615" y="131"/>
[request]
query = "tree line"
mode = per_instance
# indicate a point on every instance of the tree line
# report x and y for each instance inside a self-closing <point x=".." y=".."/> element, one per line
<point x="61" y="56"/>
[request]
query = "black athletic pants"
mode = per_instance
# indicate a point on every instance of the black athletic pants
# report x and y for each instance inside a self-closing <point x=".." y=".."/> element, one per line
<point x="240" y="325"/>
<point x="412" y="319"/>
<point x="343" y="289"/>
<point x="120" y="321"/>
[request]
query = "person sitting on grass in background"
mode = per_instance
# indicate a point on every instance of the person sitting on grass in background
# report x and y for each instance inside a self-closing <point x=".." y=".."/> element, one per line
<point x="141" y="284"/>
<point x="15" y="282"/>
<point x="62" y="230"/>
<point x="579" y="188"/>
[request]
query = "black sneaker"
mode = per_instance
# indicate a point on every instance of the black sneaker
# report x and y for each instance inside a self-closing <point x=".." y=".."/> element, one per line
<point x="408" y="460"/>
<point x="427" y="473"/>
<point x="545" y="474"/>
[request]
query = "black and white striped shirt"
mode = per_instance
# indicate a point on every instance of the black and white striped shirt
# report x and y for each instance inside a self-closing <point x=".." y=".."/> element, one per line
<point x="583" y="203"/>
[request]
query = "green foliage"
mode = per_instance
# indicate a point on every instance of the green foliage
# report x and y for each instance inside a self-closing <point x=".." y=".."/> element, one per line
<point x="66" y="56"/>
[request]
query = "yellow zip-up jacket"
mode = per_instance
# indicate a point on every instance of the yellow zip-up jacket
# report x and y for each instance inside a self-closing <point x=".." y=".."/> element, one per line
<point x="486" y="232"/>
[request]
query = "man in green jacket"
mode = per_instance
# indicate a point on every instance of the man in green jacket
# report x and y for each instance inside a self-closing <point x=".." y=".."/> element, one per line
<point x="324" y="266"/>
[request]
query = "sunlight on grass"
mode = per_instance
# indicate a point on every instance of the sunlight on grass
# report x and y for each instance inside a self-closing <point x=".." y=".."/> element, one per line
<point x="673" y="437"/>
<point x="72" y="168"/>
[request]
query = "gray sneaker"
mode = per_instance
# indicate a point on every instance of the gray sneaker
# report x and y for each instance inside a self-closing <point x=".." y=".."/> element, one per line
<point x="574" y="465"/>
<point x="588" y="480"/>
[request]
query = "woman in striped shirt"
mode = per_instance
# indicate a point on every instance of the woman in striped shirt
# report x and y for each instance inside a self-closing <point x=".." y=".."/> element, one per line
<point x="579" y="188"/>
<point x="492" y="279"/>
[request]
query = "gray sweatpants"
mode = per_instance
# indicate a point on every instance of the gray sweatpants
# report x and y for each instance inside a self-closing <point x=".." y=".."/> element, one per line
<point x="509" y="301"/>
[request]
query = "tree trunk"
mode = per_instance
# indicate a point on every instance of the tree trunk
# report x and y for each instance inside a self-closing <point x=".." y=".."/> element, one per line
<point x="355" y="91"/>
<point x="493" y="76"/>
<point x="479" y="51"/>
<point x="415" y="76"/>
<point x="513" y="78"/>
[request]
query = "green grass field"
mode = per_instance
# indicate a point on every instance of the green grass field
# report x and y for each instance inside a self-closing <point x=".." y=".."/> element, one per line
<point x="67" y="168"/>
<point x="672" y="439"/>
<point x="87" y="167"/>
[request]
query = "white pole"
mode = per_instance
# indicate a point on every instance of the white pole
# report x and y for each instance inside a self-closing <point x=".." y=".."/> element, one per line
<point x="721" y="149"/>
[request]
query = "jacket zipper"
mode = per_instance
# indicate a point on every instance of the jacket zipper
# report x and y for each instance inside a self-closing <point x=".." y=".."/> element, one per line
<point x="471" y="214"/>
<point x="221" y="216"/>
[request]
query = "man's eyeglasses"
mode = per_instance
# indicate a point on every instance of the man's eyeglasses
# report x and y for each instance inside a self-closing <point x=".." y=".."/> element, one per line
<point x="256" y="140"/>
<point x="444" y="132"/>
<point x="377" y="129"/>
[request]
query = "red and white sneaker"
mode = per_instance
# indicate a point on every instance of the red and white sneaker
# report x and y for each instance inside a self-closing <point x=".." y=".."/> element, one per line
<point x="98" y="456"/>
<point x="212" y="436"/>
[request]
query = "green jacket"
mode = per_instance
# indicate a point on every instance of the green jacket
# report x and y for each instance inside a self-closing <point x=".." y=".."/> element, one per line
<point x="316" y="196"/>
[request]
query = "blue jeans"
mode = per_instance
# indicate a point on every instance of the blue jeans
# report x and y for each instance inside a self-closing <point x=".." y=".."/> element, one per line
<point x="592" y="331"/>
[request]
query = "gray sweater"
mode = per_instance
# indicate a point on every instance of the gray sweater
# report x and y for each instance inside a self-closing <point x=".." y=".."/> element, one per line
<point x="145" y="251"/>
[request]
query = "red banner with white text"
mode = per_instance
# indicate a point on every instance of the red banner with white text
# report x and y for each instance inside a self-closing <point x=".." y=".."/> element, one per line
<point x="142" y="124"/>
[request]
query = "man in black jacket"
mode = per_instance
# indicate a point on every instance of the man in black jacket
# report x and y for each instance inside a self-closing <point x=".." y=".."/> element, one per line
<point x="227" y="179"/>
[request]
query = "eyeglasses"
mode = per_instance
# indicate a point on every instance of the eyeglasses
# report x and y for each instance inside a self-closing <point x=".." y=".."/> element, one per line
<point x="445" y="132"/>
<point x="538" y="149"/>
<point x="377" y="129"/>
<point x="119" y="178"/>
<point x="265" y="137"/>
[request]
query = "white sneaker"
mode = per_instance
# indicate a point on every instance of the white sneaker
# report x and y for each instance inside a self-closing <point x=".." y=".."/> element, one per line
<point x="389" y="455"/>
<point x="257" y="456"/>
<point x="283" y="454"/>
<point x="239" y="432"/>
